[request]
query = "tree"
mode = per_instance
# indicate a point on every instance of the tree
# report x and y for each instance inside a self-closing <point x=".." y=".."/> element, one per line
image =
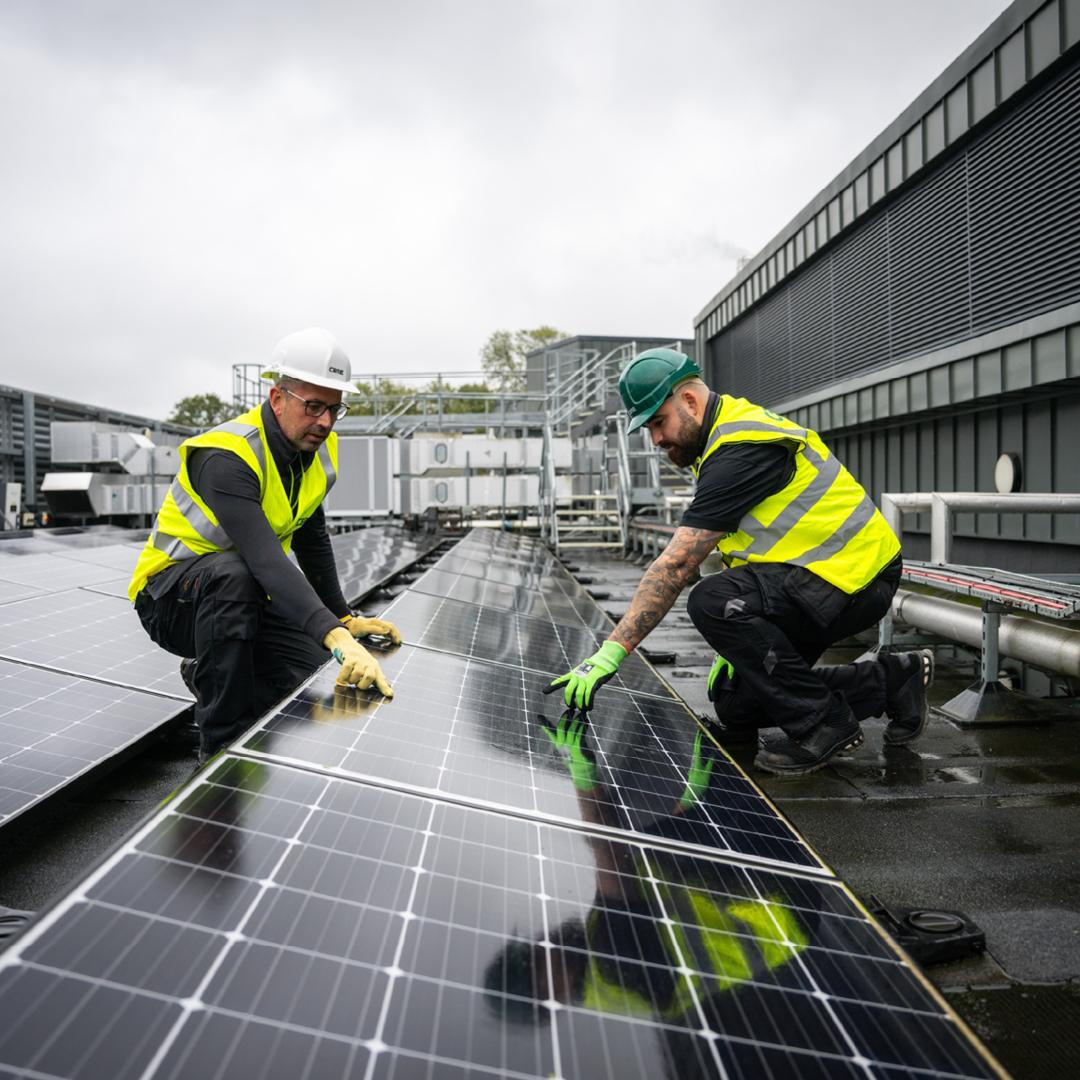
<point x="503" y="355"/>
<point x="200" y="411"/>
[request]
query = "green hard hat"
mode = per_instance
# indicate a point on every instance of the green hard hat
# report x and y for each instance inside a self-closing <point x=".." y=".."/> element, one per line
<point x="649" y="379"/>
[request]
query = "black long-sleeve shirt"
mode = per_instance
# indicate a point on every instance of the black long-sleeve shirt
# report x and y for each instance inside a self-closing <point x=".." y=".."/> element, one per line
<point x="309" y="597"/>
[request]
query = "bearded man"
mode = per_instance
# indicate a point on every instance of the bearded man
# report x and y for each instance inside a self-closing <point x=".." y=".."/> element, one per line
<point x="808" y="558"/>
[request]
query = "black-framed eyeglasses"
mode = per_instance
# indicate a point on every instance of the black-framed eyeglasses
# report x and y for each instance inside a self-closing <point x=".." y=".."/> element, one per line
<point x="315" y="409"/>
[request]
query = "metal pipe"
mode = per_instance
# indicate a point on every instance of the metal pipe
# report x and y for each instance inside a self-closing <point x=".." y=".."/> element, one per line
<point x="1052" y="648"/>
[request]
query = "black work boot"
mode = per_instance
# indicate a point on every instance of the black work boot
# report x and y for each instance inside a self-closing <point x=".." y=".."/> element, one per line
<point x="187" y="673"/>
<point x="907" y="675"/>
<point x="795" y="757"/>
<point x="729" y="734"/>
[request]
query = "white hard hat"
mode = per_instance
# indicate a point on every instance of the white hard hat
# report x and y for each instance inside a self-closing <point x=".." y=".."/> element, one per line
<point x="313" y="356"/>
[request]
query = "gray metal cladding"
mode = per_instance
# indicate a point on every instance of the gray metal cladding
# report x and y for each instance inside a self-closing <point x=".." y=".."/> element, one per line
<point x="957" y="453"/>
<point x="990" y="237"/>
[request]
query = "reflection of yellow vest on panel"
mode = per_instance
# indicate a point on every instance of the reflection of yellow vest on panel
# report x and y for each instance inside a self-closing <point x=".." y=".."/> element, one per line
<point x="821" y="520"/>
<point x="186" y="527"/>
<point x="711" y="948"/>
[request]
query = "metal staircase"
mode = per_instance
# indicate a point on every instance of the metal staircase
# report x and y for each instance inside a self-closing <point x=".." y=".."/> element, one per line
<point x="633" y="474"/>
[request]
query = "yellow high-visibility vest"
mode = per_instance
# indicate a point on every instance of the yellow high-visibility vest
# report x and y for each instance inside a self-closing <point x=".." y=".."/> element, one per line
<point x="821" y="520"/>
<point x="187" y="528"/>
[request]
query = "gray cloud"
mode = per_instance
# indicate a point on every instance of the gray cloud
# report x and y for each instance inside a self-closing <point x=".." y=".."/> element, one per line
<point x="182" y="184"/>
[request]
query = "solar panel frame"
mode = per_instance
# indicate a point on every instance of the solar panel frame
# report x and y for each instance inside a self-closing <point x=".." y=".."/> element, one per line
<point x="464" y="730"/>
<point x="10" y="591"/>
<point x="56" y="729"/>
<point x="273" y="922"/>
<point x="54" y="572"/>
<point x="121" y="557"/>
<point x="511" y="638"/>
<point x="80" y="632"/>
<point x="487" y="593"/>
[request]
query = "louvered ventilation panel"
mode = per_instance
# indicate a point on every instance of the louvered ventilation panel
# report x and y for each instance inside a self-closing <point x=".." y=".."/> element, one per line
<point x="812" y="328"/>
<point x="987" y="239"/>
<point x="928" y="265"/>
<point x="745" y="363"/>
<point x="774" y="349"/>
<point x="861" y="301"/>
<point x="1025" y="210"/>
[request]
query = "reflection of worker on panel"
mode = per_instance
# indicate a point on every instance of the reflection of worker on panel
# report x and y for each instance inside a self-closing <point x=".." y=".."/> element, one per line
<point x="809" y="561"/>
<point x="213" y="583"/>
<point x="665" y="939"/>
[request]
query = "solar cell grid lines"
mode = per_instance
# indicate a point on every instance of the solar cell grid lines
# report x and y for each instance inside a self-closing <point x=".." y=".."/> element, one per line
<point x="366" y="558"/>
<point x="54" y="728"/>
<point x="539" y="562"/>
<point x="556" y="606"/>
<point x="509" y="638"/>
<point x="9" y="591"/>
<point x="121" y="557"/>
<point x="274" y="922"/>
<point x="86" y="633"/>
<point x="488" y="736"/>
<point x="55" y="571"/>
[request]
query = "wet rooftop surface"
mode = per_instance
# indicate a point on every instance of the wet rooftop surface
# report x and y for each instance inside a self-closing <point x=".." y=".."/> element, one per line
<point x="983" y="821"/>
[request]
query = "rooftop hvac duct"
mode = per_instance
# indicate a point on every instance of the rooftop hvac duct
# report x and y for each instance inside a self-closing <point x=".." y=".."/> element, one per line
<point x="89" y="443"/>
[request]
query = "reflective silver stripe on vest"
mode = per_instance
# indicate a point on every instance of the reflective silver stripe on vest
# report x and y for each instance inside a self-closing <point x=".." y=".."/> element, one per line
<point x="249" y="432"/>
<point x="328" y="465"/>
<point x="764" y="539"/>
<point x="853" y="524"/>
<point x="736" y="426"/>
<point x="172" y="547"/>
<point x="197" y="519"/>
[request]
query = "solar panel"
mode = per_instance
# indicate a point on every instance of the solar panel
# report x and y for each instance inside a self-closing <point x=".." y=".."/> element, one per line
<point x="54" y="572"/>
<point x="273" y="922"/>
<point x="120" y="557"/>
<point x="9" y="591"/>
<point x="54" y="728"/>
<point x="365" y="562"/>
<point x="472" y="730"/>
<point x="556" y="606"/>
<point x="27" y="545"/>
<point x="478" y="565"/>
<point x="118" y="588"/>
<point x="85" y="633"/>
<point x="509" y="638"/>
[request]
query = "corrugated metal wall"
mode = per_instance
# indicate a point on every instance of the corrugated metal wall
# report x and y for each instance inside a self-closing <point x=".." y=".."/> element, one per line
<point x="958" y="453"/>
<point x="989" y="237"/>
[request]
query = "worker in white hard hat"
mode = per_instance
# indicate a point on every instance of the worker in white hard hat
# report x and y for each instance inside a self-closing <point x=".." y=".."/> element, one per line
<point x="213" y="583"/>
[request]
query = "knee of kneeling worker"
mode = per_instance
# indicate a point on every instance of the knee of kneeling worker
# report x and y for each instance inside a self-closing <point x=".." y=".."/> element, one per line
<point x="231" y="580"/>
<point x="705" y="603"/>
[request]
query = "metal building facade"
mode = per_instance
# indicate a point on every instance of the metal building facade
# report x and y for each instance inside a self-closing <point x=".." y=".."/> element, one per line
<point x="923" y="312"/>
<point x="25" y="444"/>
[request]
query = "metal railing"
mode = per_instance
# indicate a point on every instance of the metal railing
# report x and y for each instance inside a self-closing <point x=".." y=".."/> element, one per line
<point x="944" y="505"/>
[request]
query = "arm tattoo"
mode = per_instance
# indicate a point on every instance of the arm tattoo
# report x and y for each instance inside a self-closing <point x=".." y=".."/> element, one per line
<point x="662" y="582"/>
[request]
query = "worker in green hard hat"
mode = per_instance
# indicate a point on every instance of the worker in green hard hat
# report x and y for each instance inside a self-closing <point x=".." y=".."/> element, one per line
<point x="808" y="559"/>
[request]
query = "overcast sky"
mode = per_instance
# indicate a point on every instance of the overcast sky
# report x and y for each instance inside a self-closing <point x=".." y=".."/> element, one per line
<point x="183" y="183"/>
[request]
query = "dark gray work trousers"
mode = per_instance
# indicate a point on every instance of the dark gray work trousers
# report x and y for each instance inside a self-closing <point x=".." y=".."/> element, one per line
<point x="249" y="657"/>
<point x="773" y="622"/>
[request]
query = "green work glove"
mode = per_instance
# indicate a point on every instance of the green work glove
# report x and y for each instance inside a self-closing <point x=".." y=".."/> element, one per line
<point x="697" y="779"/>
<point x="721" y="673"/>
<point x="583" y="682"/>
<point x="569" y="739"/>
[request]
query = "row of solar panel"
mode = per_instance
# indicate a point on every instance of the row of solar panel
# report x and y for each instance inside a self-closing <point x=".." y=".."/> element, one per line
<point x="460" y="882"/>
<point x="80" y="682"/>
